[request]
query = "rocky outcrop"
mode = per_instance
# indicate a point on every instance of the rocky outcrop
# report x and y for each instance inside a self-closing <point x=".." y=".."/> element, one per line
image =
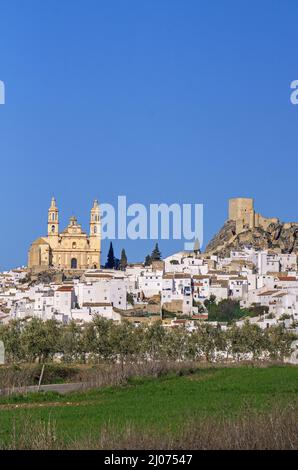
<point x="45" y="277"/>
<point x="52" y="275"/>
<point x="279" y="237"/>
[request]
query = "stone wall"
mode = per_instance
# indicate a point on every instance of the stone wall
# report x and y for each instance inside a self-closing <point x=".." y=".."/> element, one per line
<point x="241" y="210"/>
<point x="176" y="306"/>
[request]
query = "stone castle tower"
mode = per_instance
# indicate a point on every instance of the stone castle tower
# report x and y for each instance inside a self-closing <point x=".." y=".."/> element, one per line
<point x="70" y="249"/>
<point x="241" y="210"/>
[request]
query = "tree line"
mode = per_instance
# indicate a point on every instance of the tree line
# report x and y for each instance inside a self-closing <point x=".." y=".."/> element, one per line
<point x="115" y="263"/>
<point x="100" y="340"/>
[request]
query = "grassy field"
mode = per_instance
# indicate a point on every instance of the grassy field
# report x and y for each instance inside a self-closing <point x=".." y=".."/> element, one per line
<point x="157" y="404"/>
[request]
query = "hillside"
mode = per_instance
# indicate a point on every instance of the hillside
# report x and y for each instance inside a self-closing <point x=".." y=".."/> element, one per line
<point x="278" y="237"/>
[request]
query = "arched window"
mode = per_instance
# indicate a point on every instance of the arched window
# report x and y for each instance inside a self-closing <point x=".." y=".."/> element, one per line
<point x="53" y="228"/>
<point x="73" y="263"/>
<point x="95" y="229"/>
<point x="74" y="245"/>
<point x="53" y="216"/>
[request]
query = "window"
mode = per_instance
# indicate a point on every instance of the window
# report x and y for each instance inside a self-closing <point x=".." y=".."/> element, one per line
<point x="53" y="228"/>
<point x="95" y="229"/>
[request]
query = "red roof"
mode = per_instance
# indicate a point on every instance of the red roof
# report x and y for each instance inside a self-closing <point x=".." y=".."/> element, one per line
<point x="268" y="292"/>
<point x="96" y="304"/>
<point x="65" y="289"/>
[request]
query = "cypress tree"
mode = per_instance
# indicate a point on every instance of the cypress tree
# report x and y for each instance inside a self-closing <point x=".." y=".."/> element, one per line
<point x="156" y="254"/>
<point x="110" y="264"/>
<point x="148" y="260"/>
<point x="123" y="260"/>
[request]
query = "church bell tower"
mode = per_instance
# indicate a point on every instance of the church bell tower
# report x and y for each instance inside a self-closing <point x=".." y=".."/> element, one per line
<point x="95" y="234"/>
<point x="53" y="219"/>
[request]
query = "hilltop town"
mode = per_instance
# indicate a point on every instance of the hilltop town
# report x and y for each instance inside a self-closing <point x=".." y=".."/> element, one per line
<point x="261" y="284"/>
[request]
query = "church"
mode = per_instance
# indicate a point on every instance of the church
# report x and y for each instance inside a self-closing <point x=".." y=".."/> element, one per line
<point x="70" y="249"/>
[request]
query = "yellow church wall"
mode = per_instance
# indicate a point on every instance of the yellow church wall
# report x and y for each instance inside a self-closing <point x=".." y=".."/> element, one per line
<point x="58" y="249"/>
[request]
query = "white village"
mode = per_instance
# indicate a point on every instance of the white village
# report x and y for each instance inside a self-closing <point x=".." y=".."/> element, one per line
<point x="177" y="290"/>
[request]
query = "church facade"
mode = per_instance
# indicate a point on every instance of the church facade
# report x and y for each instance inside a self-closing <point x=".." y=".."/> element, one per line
<point x="70" y="249"/>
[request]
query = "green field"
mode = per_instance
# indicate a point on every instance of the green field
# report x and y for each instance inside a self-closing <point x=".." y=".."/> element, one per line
<point x="163" y="403"/>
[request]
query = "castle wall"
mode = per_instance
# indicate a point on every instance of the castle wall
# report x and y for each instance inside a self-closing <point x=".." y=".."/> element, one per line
<point x="241" y="210"/>
<point x="264" y="222"/>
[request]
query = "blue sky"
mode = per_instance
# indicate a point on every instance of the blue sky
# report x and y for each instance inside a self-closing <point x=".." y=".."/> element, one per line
<point x="162" y="101"/>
